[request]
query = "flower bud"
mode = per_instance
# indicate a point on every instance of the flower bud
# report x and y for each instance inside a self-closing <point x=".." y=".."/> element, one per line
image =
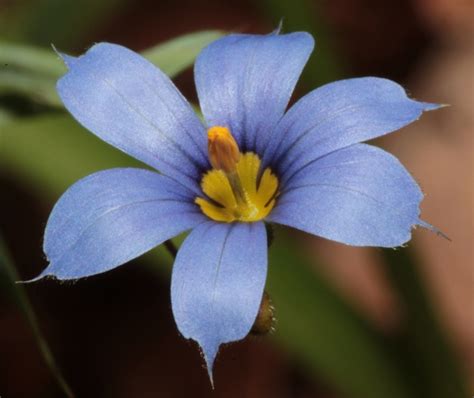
<point x="265" y="321"/>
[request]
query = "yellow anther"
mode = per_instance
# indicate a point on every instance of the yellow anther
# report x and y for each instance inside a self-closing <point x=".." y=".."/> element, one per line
<point x="234" y="187"/>
<point x="223" y="150"/>
<point x="251" y="201"/>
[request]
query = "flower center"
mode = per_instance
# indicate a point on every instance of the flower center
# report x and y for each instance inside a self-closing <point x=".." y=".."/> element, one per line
<point x="232" y="184"/>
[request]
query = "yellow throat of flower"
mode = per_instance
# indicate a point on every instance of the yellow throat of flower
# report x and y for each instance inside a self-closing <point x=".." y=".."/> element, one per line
<point x="232" y="184"/>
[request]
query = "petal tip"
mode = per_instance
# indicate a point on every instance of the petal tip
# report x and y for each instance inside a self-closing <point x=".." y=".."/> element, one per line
<point x="427" y="106"/>
<point x="279" y="28"/>
<point x="209" y="352"/>
<point x="39" y="277"/>
<point x="68" y="60"/>
<point x="432" y="228"/>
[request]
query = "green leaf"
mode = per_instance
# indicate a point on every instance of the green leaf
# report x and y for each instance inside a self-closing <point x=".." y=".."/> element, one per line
<point x="325" y="332"/>
<point x="37" y="60"/>
<point x="32" y="72"/>
<point x="52" y="152"/>
<point x="8" y="277"/>
<point x="37" y="88"/>
<point x="175" y="55"/>
<point x="5" y="117"/>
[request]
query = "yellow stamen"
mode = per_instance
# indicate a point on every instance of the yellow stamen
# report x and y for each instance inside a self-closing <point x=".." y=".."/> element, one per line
<point x="232" y="184"/>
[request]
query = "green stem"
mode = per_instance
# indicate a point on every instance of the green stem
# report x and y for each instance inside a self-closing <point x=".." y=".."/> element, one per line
<point x="423" y="344"/>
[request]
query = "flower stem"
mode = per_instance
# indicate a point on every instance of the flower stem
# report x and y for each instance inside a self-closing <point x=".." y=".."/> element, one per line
<point x="8" y="272"/>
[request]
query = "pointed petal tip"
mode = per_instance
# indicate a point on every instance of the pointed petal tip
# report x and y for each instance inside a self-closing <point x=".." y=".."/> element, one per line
<point x="211" y="377"/>
<point x="279" y="28"/>
<point x="427" y="106"/>
<point x="68" y="60"/>
<point x="432" y="228"/>
<point x="39" y="277"/>
<point x="209" y="352"/>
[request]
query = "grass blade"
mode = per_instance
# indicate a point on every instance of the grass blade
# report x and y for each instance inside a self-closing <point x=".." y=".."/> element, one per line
<point x="175" y="55"/>
<point x="424" y="348"/>
<point x="32" y="72"/>
<point x="37" y="60"/>
<point x="9" y="276"/>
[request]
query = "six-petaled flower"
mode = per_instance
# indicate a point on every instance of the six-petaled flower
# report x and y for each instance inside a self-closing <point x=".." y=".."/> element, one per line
<point x="251" y="162"/>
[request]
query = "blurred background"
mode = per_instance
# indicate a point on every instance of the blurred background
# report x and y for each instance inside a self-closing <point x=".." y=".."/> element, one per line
<point x="351" y="322"/>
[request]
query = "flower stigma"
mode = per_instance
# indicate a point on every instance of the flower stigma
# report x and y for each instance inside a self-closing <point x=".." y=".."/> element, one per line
<point x="232" y="184"/>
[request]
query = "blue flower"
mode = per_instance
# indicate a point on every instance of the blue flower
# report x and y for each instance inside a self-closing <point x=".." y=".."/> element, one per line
<point x="251" y="162"/>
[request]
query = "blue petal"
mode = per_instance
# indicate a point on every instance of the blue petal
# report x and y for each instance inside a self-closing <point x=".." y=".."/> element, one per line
<point x="111" y="217"/>
<point x="217" y="283"/>
<point x="360" y="196"/>
<point x="336" y="116"/>
<point x="131" y="104"/>
<point x="67" y="59"/>
<point x="244" y="82"/>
